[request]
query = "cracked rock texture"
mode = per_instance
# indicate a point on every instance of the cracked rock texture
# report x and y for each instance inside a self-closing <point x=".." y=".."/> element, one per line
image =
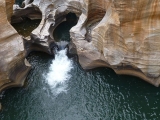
<point x="13" y="66"/>
<point x="120" y="34"/>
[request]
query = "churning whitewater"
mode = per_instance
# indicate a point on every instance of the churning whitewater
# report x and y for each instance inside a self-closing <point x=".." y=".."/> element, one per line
<point x="59" y="72"/>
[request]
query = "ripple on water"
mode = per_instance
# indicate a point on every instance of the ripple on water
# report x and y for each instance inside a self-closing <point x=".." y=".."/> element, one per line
<point x="95" y="95"/>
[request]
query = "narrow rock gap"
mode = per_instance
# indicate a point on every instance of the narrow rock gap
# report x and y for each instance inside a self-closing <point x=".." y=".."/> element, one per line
<point x="61" y="32"/>
<point x="26" y="27"/>
<point x="22" y="3"/>
<point x="26" y="20"/>
<point x="31" y="1"/>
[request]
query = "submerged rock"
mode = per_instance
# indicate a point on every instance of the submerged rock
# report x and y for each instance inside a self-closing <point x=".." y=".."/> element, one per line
<point x="120" y="34"/>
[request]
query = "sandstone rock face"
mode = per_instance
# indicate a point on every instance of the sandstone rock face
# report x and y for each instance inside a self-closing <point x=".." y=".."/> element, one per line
<point x="13" y="66"/>
<point x="120" y="34"/>
<point x="9" y="8"/>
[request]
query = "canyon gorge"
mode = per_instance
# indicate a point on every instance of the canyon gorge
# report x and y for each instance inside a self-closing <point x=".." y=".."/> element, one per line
<point x="123" y="35"/>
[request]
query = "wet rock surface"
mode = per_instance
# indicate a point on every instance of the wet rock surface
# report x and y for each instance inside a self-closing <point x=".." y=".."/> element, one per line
<point x="120" y="34"/>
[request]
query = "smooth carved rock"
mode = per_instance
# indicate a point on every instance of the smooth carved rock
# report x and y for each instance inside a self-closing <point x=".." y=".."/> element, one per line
<point x="13" y="66"/>
<point x="126" y="38"/>
<point x="120" y="34"/>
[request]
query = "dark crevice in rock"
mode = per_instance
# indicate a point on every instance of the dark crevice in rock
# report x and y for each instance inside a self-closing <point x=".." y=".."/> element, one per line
<point x="26" y="27"/>
<point x="20" y="15"/>
<point x="19" y="2"/>
<point x="61" y="32"/>
<point x="30" y="1"/>
<point x="25" y="20"/>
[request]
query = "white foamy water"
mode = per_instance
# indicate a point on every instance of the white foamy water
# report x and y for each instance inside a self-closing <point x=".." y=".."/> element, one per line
<point x="59" y="72"/>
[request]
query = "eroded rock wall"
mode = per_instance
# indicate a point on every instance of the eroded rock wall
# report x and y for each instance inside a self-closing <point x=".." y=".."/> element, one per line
<point x="13" y="66"/>
<point x="120" y="34"/>
<point x="126" y="38"/>
<point x="52" y="14"/>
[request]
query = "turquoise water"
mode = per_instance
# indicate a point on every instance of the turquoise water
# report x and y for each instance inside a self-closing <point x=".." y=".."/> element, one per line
<point x="99" y="94"/>
<point x="76" y="94"/>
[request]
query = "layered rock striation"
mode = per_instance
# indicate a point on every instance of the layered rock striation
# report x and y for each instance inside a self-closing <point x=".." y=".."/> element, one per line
<point x="13" y="65"/>
<point x="119" y="34"/>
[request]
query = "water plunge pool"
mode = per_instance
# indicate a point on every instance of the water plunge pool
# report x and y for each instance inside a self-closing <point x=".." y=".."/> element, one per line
<point x="99" y="94"/>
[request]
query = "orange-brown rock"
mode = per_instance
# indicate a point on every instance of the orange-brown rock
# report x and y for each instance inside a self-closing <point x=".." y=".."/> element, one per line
<point x="9" y="8"/>
<point x="120" y="34"/>
<point x="125" y="39"/>
<point x="13" y="66"/>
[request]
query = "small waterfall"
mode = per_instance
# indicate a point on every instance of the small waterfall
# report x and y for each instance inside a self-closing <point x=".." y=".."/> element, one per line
<point x="62" y="45"/>
<point x="58" y="74"/>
